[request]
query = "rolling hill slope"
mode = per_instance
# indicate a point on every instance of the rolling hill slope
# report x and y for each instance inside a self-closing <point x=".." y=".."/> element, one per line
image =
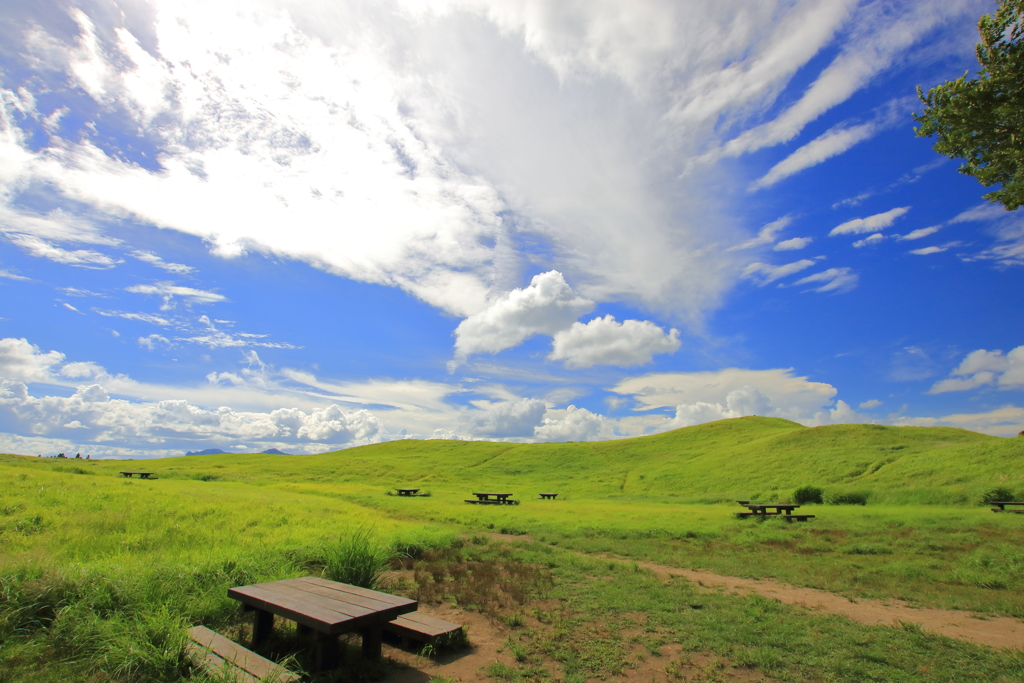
<point x="719" y="460"/>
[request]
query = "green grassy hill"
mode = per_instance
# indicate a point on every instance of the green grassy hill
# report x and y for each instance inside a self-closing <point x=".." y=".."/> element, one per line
<point x="744" y="457"/>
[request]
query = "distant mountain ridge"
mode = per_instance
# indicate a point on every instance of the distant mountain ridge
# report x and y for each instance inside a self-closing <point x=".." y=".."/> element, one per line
<point x="217" y="451"/>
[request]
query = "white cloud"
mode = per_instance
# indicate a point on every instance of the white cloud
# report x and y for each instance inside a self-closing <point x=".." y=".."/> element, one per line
<point x="869" y="241"/>
<point x="125" y="422"/>
<point x="871" y="403"/>
<point x="763" y="273"/>
<point x="1009" y="247"/>
<point x="1005" y="421"/>
<point x="168" y="291"/>
<point x="829" y="144"/>
<point x="925" y="251"/>
<point x="153" y="259"/>
<point x="765" y="235"/>
<point x="984" y="368"/>
<point x="55" y="226"/>
<point x="793" y="244"/>
<point x="22" y="361"/>
<point x="72" y="308"/>
<point x="508" y="419"/>
<point x="150" y="342"/>
<point x="789" y="396"/>
<point x="142" y="317"/>
<point x="879" y="35"/>
<point x="919" y="233"/>
<point x="83" y="258"/>
<point x="842" y="413"/>
<point x="879" y="221"/>
<point x="573" y="424"/>
<point x="833" y="280"/>
<point x="604" y="341"/>
<point x="546" y="306"/>
<point x="982" y="212"/>
<point x="11" y="276"/>
<point x="424" y="173"/>
<point x="835" y="141"/>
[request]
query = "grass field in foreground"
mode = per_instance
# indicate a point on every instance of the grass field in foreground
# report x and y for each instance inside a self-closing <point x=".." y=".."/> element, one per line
<point x="100" y="575"/>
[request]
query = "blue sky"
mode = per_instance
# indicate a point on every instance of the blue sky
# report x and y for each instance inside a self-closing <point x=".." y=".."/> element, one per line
<point x="308" y="226"/>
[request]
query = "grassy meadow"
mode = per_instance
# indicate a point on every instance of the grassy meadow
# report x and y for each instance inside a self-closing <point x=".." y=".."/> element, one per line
<point x="100" y="575"/>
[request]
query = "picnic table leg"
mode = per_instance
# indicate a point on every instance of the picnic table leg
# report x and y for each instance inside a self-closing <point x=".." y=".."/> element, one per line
<point x="262" y="626"/>
<point x="372" y="638"/>
<point x="326" y="655"/>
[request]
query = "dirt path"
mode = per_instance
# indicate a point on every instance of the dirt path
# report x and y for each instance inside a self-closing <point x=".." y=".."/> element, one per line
<point x="991" y="631"/>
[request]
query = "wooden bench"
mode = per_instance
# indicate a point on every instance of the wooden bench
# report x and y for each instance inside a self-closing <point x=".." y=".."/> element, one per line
<point x="218" y="655"/>
<point x="421" y="628"/>
<point x="799" y="518"/>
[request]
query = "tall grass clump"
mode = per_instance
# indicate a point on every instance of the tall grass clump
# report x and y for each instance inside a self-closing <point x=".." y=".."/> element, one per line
<point x="358" y="559"/>
<point x="807" y="494"/>
<point x="998" y="493"/>
<point x="846" y="498"/>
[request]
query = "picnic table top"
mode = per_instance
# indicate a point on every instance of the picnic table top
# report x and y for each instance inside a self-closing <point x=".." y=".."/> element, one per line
<point x="777" y="506"/>
<point x="1007" y="502"/>
<point x="413" y="490"/>
<point x="325" y="606"/>
<point x="496" y="495"/>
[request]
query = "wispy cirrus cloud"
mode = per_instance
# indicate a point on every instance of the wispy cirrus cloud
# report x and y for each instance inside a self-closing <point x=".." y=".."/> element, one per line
<point x="153" y="259"/>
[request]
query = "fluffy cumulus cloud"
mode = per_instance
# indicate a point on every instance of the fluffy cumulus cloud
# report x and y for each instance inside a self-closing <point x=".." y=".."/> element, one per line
<point x="732" y="392"/>
<point x="122" y="422"/>
<point x="22" y="361"/>
<point x="507" y="419"/>
<point x="983" y="368"/>
<point x="604" y="341"/>
<point x="573" y="424"/>
<point x="546" y="306"/>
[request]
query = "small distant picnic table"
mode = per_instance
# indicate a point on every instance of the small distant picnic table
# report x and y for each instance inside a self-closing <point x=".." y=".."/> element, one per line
<point x="326" y="608"/>
<point x="142" y="475"/>
<point x="494" y="499"/>
<point x="763" y="510"/>
<point x="548" y="496"/>
<point x="1003" y="503"/>
<point x="407" y="492"/>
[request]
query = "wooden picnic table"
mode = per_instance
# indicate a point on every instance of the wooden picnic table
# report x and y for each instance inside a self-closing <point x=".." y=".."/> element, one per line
<point x="548" y="496"/>
<point x="494" y="499"/>
<point x="762" y="510"/>
<point x="324" y="608"/>
<point x="407" y="492"/>
<point x="142" y="475"/>
<point x="1003" y="503"/>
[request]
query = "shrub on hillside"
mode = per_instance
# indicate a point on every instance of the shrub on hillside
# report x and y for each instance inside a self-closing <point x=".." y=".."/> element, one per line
<point x="846" y="498"/>
<point x="807" y="494"/>
<point x="998" y="493"/>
